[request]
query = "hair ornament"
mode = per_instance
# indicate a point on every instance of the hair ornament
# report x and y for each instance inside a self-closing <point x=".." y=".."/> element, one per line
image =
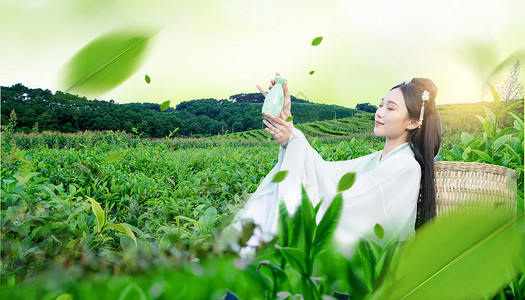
<point x="424" y="96"/>
<point x="405" y="82"/>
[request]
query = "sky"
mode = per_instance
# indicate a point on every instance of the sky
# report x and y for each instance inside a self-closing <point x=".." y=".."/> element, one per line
<point x="215" y="49"/>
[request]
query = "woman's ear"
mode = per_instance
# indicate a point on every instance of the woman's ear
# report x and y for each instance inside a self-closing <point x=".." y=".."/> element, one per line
<point x="413" y="124"/>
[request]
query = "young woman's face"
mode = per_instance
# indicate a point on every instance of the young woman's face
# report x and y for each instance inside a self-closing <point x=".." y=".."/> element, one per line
<point x="391" y="118"/>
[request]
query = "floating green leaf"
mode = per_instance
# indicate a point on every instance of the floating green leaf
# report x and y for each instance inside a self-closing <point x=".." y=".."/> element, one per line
<point x="289" y="118"/>
<point x="379" y="231"/>
<point x="123" y="229"/>
<point x="312" y="72"/>
<point x="317" y="41"/>
<point x="346" y="182"/>
<point x="99" y="213"/>
<point x="279" y="176"/>
<point x="512" y="58"/>
<point x="148" y="80"/>
<point x="105" y="62"/>
<point x="113" y="157"/>
<point x="470" y="254"/>
<point x="165" y="105"/>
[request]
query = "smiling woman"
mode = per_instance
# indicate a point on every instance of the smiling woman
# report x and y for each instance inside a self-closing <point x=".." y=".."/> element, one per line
<point x="394" y="187"/>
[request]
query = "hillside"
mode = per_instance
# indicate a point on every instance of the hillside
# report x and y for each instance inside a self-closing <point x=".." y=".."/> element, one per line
<point x="40" y="110"/>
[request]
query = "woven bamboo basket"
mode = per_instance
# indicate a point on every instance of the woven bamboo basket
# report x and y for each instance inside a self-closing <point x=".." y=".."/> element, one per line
<point x="460" y="184"/>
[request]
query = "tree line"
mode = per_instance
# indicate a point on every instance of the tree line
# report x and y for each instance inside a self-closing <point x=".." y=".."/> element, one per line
<point x="41" y="110"/>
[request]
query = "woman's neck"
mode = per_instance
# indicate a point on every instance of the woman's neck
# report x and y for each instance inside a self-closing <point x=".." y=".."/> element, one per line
<point x="391" y="144"/>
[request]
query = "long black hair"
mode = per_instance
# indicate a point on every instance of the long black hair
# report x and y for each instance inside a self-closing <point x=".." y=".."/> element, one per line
<point x="424" y="141"/>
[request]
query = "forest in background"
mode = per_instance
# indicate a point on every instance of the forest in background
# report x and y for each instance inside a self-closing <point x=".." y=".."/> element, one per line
<point x="40" y="110"/>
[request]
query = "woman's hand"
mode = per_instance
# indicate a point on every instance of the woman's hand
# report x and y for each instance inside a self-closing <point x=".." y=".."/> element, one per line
<point x="278" y="127"/>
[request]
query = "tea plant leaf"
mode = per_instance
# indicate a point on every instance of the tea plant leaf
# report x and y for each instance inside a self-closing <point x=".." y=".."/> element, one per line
<point x="285" y="225"/>
<point x="502" y="140"/>
<point x="520" y="121"/>
<point x="509" y="108"/>
<point x="368" y="262"/>
<point x="307" y="211"/>
<point x="466" y="138"/>
<point x="487" y="127"/>
<point x="495" y="95"/>
<point x="275" y="270"/>
<point x="105" y="62"/>
<point x="289" y="118"/>
<point x="113" y="157"/>
<point x="279" y="176"/>
<point x="474" y="254"/>
<point x="123" y="229"/>
<point x="346" y="182"/>
<point x="379" y="231"/>
<point x="491" y="116"/>
<point x="297" y="259"/>
<point x="317" y="41"/>
<point x="138" y="293"/>
<point x="148" y="79"/>
<point x="327" y="226"/>
<point x="466" y="152"/>
<point x="99" y="213"/>
<point x="484" y="156"/>
<point x="65" y="297"/>
<point x="312" y="72"/>
<point x="480" y="118"/>
<point x="309" y="289"/>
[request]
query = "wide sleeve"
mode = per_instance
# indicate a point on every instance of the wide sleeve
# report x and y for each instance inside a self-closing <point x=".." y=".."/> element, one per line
<point x="387" y="195"/>
<point x="307" y="168"/>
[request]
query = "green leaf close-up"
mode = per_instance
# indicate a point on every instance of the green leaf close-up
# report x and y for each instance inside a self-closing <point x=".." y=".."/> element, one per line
<point x="464" y="255"/>
<point x="105" y="62"/>
<point x="99" y="214"/>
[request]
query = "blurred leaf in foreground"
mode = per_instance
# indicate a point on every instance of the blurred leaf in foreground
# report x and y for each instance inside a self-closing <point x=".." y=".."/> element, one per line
<point x="470" y="255"/>
<point x="105" y="62"/>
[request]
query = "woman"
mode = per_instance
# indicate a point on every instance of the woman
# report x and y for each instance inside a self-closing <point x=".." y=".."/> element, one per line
<point x="394" y="187"/>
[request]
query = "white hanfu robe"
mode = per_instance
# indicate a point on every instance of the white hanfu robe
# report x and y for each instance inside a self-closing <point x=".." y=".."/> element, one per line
<point x="385" y="192"/>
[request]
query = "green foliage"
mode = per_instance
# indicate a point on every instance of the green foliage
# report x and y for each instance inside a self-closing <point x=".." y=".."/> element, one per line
<point x="102" y="221"/>
<point x="176" y="195"/>
<point x="499" y="146"/>
<point x="147" y="79"/>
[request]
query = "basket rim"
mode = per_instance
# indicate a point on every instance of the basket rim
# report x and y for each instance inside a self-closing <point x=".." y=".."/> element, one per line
<point x="461" y="166"/>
